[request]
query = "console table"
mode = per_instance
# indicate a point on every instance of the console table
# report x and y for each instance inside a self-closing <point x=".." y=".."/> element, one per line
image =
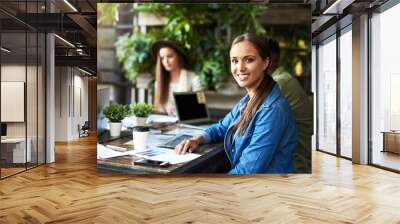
<point x="13" y="150"/>
<point x="391" y="141"/>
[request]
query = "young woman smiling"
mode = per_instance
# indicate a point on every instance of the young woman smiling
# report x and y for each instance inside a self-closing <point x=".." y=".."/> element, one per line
<point x="260" y="132"/>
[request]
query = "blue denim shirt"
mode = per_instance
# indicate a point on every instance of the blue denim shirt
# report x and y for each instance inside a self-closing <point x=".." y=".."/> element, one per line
<point x="270" y="140"/>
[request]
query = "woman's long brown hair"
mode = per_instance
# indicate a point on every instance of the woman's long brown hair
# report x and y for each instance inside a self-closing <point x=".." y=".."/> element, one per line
<point x="163" y="78"/>
<point x="263" y="89"/>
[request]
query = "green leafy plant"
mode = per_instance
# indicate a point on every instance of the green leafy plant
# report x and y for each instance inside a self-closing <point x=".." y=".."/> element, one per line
<point x="206" y="31"/>
<point x="133" y="52"/>
<point x="210" y="73"/>
<point x="141" y="109"/>
<point x="108" y="13"/>
<point x="116" y="112"/>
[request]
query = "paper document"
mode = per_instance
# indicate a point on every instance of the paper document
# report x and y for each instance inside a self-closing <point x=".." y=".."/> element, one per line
<point x="191" y="126"/>
<point x="130" y="121"/>
<point x="174" y="158"/>
<point x="157" y="118"/>
<point x="154" y="140"/>
<point x="104" y="152"/>
<point x="166" y="155"/>
<point x="117" y="148"/>
<point x="186" y="131"/>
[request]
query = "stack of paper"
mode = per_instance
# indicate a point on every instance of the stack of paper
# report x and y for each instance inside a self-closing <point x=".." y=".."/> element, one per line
<point x="103" y="152"/>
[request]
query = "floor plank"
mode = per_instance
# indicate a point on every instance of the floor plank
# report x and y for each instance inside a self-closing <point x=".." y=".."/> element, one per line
<point x="71" y="191"/>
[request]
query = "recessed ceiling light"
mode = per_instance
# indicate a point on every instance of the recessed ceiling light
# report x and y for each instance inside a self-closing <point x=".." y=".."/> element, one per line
<point x="84" y="71"/>
<point x="5" y="49"/>
<point x="64" y="40"/>
<point x="70" y="5"/>
<point x="337" y="7"/>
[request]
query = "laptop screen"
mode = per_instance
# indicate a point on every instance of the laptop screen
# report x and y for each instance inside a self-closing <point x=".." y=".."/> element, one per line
<point x="3" y="129"/>
<point x="189" y="107"/>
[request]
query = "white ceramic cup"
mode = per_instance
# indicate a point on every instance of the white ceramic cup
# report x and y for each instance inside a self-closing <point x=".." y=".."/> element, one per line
<point x="140" y="136"/>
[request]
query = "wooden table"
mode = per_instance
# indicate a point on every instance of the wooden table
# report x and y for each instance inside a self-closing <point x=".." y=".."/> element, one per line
<point x="212" y="160"/>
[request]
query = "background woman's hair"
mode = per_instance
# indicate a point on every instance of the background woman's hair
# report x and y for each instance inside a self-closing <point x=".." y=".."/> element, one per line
<point x="163" y="78"/>
<point x="261" y="44"/>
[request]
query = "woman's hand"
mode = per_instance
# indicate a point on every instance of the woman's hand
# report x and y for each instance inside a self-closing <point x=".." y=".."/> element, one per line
<point x="189" y="145"/>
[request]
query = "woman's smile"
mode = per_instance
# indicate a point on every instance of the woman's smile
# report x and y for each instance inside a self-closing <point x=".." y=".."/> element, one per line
<point x="243" y="77"/>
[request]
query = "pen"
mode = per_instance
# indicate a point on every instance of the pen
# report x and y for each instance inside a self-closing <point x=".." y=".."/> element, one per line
<point x="190" y="126"/>
<point x="116" y="148"/>
<point x="166" y="134"/>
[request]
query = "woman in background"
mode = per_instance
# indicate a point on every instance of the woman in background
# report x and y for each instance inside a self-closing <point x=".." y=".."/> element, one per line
<point x="260" y="132"/>
<point x="172" y="75"/>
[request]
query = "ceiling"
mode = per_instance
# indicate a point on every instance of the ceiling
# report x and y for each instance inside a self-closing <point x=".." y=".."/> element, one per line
<point x="74" y="21"/>
<point x="336" y="14"/>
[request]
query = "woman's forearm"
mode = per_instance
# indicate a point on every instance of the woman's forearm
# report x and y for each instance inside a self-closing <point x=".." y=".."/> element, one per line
<point x="199" y="139"/>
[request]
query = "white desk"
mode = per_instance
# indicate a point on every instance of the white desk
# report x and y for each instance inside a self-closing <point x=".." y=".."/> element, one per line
<point x="19" y="149"/>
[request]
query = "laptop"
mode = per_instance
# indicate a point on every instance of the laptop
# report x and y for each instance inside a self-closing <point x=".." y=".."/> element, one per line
<point x="191" y="108"/>
<point x="3" y="131"/>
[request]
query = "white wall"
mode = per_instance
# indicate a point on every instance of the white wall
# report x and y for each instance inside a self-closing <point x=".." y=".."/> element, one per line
<point x="71" y="94"/>
<point x="61" y="104"/>
<point x="80" y="94"/>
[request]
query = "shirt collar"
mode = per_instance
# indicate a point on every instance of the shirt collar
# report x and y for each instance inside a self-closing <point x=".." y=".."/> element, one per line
<point x="272" y="97"/>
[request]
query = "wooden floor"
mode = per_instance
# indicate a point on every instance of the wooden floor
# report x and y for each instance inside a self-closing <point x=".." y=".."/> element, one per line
<point x="386" y="159"/>
<point x="71" y="191"/>
<point x="10" y="171"/>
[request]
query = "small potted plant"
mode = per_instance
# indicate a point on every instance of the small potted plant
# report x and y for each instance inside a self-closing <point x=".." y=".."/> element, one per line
<point x="115" y="113"/>
<point x="141" y="112"/>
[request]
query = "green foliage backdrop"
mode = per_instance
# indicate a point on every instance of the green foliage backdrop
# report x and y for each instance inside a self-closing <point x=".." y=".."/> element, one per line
<point x="206" y="31"/>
